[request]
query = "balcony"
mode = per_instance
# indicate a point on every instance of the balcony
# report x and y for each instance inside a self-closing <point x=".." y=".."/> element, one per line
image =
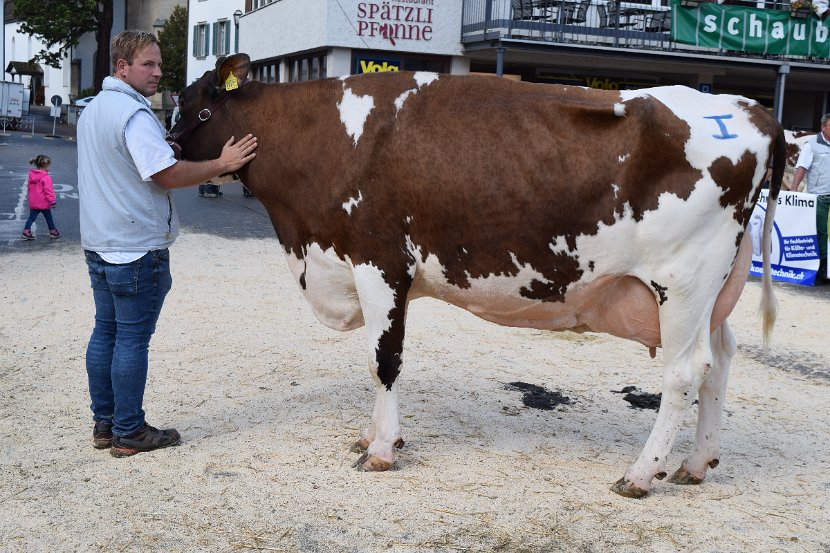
<point x="632" y="26"/>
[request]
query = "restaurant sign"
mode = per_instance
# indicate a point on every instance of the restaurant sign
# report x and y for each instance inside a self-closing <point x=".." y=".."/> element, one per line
<point x="750" y="30"/>
<point x="396" y="20"/>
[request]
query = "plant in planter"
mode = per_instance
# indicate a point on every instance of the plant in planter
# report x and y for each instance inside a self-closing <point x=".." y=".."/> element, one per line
<point x="802" y="9"/>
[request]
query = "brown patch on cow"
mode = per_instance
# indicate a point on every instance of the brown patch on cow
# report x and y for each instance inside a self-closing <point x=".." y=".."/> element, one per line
<point x="736" y="182"/>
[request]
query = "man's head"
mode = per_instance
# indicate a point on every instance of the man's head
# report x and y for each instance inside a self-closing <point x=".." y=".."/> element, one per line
<point x="136" y="60"/>
<point x="825" y="124"/>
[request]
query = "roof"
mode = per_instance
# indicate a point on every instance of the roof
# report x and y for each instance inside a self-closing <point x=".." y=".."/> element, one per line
<point x="24" y="68"/>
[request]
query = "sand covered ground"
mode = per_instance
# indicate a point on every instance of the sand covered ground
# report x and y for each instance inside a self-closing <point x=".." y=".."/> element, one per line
<point x="268" y="401"/>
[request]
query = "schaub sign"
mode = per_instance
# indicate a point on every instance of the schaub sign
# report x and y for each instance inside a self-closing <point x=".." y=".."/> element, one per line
<point x="750" y="30"/>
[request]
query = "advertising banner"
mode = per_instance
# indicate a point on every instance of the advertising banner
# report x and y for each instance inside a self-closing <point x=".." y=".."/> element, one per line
<point x="794" y="245"/>
<point x="743" y="29"/>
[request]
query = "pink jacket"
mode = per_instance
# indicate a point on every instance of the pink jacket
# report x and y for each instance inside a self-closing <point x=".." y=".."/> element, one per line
<point x="41" y="192"/>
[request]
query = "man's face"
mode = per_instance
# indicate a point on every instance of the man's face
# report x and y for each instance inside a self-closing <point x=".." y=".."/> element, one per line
<point x="145" y="72"/>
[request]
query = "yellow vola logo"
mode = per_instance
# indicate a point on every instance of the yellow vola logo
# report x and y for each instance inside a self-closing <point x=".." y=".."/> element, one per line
<point x="374" y="67"/>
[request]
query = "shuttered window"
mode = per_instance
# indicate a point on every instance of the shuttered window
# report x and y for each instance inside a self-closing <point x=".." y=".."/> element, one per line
<point x="221" y="38"/>
<point x="201" y="38"/>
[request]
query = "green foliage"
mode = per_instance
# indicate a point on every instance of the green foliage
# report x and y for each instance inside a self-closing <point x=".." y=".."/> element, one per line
<point x="87" y="92"/>
<point x="173" y="45"/>
<point x="58" y="23"/>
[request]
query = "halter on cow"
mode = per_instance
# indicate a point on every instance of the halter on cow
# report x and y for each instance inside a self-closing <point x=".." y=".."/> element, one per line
<point x="540" y="206"/>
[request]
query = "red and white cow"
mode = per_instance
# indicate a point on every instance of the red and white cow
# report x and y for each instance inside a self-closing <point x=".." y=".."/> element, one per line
<point x="540" y="206"/>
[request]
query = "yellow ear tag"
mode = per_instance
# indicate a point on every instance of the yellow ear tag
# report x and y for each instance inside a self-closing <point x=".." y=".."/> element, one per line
<point x="231" y="83"/>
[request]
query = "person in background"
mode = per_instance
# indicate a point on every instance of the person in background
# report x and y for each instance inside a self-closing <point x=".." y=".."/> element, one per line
<point x="126" y="171"/>
<point x="177" y="113"/>
<point x="814" y="162"/>
<point x="41" y="197"/>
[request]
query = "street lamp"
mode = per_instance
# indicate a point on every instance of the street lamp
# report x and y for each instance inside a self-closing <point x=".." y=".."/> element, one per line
<point x="236" y="15"/>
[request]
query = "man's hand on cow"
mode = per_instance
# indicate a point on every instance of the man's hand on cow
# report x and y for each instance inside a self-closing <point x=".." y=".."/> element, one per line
<point x="236" y="154"/>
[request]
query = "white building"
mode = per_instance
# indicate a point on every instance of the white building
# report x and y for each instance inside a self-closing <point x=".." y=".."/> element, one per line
<point x="295" y="40"/>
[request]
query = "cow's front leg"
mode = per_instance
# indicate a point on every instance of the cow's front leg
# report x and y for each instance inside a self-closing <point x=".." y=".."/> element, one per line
<point x="383" y="299"/>
<point x="712" y="393"/>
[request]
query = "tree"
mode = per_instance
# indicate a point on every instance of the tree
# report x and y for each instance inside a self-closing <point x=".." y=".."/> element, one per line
<point x="173" y="45"/>
<point x="62" y="23"/>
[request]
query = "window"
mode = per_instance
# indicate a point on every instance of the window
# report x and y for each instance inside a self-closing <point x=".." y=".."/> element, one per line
<point x="259" y="3"/>
<point x="308" y="68"/>
<point x="222" y="38"/>
<point x="267" y="72"/>
<point x="201" y="34"/>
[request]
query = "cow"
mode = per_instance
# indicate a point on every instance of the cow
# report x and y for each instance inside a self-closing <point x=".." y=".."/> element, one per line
<point x="529" y="205"/>
<point x="795" y="141"/>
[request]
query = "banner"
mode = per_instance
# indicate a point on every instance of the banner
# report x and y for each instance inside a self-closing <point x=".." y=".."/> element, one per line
<point x="750" y="30"/>
<point x="794" y="245"/>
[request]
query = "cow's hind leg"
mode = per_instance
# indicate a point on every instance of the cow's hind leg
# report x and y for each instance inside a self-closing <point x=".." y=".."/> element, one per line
<point x="383" y="299"/>
<point x="687" y="355"/>
<point x="711" y="397"/>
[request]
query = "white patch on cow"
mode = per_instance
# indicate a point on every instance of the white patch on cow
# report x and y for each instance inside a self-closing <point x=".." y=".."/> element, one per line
<point x="329" y="286"/>
<point x="422" y="79"/>
<point x="616" y="189"/>
<point x="354" y="110"/>
<point x="408" y="219"/>
<point x="705" y="114"/>
<point x="619" y="109"/>
<point x="402" y="98"/>
<point x="623" y="158"/>
<point x="352" y="203"/>
<point x="377" y="299"/>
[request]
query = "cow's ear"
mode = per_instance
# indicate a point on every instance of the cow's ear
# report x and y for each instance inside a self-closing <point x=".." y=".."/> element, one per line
<point x="232" y="71"/>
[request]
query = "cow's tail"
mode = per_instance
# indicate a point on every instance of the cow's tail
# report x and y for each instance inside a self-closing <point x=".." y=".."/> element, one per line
<point x="769" y="305"/>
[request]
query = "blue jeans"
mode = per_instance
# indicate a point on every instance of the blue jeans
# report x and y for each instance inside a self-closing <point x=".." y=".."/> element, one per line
<point x="128" y="300"/>
<point x="47" y="213"/>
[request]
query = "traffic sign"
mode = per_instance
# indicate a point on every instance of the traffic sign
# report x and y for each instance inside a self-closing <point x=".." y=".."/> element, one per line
<point x="56" y="100"/>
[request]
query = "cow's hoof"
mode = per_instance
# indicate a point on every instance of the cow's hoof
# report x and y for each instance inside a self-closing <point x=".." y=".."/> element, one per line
<point x="683" y="477"/>
<point x="372" y="463"/>
<point x="363" y="444"/>
<point x="628" y="489"/>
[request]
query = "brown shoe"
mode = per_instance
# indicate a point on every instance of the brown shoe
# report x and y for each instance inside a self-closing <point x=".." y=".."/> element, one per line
<point x="147" y="438"/>
<point x="102" y="435"/>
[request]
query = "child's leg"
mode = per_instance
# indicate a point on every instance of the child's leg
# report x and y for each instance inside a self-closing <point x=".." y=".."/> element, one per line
<point x="32" y="216"/>
<point x="49" y="220"/>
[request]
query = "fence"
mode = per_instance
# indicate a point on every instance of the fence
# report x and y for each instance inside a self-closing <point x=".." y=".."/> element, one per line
<point x="17" y="124"/>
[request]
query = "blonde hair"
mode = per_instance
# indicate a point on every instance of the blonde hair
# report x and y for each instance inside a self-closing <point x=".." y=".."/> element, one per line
<point x="41" y="161"/>
<point x="127" y="44"/>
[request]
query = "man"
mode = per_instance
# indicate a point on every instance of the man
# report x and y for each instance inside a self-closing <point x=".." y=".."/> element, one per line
<point x="125" y="173"/>
<point x="814" y="161"/>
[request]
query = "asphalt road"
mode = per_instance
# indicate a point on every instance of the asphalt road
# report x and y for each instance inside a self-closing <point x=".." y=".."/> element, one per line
<point x="231" y="215"/>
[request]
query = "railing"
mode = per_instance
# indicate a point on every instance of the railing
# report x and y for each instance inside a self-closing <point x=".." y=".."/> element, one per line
<point x="16" y="124"/>
<point x="591" y="22"/>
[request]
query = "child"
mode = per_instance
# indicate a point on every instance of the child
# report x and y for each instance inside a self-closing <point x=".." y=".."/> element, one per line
<point x="41" y="197"/>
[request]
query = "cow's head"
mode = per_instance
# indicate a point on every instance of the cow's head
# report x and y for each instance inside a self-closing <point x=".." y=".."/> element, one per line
<point x="198" y="134"/>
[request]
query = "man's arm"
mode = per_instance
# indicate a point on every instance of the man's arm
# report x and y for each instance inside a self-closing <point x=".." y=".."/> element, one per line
<point x="799" y="176"/>
<point x="187" y="173"/>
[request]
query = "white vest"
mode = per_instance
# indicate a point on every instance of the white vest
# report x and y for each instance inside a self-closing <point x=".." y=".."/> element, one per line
<point x="119" y="211"/>
<point x="818" y="176"/>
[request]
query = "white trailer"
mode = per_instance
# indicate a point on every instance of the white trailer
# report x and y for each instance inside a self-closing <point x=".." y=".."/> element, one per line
<point x="11" y="99"/>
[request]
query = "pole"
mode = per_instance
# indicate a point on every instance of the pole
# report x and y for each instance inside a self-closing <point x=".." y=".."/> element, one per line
<point x="500" y="61"/>
<point x="778" y="102"/>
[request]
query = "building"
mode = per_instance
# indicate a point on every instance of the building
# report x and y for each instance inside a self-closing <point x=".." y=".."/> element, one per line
<point x="595" y="43"/>
<point x="76" y="72"/>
